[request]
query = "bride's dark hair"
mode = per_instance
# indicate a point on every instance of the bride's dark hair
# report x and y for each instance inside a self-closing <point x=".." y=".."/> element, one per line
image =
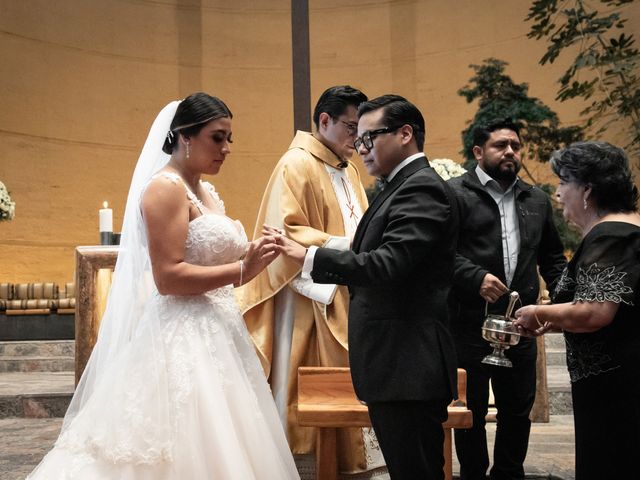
<point x="193" y="113"/>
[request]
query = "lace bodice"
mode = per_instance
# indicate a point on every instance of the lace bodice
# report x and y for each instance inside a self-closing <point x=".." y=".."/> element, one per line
<point x="214" y="239"/>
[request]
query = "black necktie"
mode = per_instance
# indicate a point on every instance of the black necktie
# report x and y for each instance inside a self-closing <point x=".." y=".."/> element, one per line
<point x="382" y="183"/>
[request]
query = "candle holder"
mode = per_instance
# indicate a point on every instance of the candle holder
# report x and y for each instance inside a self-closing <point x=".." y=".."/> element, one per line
<point x="106" y="238"/>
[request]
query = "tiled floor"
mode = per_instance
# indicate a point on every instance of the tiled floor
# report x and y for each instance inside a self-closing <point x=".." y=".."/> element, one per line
<point x="23" y="442"/>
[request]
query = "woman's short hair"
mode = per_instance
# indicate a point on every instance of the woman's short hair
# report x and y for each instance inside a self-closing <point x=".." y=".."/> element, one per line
<point x="193" y="113"/>
<point x="603" y="167"/>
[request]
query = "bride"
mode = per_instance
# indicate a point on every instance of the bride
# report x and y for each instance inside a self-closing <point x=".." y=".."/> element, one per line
<point x="173" y="388"/>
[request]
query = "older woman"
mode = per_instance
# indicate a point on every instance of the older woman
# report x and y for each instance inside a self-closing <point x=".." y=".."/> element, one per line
<point x="596" y="305"/>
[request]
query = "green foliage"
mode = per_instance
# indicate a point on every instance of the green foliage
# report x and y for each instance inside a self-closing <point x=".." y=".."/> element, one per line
<point x="372" y="191"/>
<point x="569" y="234"/>
<point x="500" y="97"/>
<point x="605" y="72"/>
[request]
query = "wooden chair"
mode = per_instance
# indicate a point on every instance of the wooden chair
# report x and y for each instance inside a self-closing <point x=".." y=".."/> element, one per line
<point x="326" y="400"/>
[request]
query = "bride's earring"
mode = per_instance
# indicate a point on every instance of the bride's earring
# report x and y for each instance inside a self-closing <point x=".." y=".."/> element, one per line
<point x="585" y="202"/>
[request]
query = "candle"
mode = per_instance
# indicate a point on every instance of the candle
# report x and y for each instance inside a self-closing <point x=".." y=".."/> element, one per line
<point x="106" y="218"/>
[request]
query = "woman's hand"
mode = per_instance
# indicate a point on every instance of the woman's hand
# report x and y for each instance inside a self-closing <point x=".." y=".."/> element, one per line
<point x="528" y="323"/>
<point x="260" y="254"/>
<point x="288" y="247"/>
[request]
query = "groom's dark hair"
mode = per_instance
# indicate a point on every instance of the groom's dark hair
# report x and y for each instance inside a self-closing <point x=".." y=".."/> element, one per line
<point x="398" y="111"/>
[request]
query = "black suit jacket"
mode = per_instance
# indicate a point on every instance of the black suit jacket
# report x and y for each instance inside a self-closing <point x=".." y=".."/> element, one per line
<point x="399" y="275"/>
<point x="480" y="251"/>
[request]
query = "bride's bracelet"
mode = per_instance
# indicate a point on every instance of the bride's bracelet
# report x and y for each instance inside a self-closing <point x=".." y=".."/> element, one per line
<point x="241" y="271"/>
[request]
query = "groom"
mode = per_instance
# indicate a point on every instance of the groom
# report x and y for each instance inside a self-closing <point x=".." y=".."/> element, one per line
<point x="399" y="275"/>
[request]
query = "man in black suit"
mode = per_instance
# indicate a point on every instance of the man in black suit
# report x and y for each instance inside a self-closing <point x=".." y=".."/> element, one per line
<point x="399" y="275"/>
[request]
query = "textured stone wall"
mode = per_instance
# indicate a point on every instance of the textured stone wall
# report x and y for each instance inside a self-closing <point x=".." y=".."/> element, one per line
<point x="82" y="81"/>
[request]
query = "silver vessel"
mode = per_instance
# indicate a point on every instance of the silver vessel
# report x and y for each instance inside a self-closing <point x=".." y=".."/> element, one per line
<point x="501" y="333"/>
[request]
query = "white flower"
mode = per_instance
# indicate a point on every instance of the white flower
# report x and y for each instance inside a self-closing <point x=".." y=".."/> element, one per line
<point x="447" y="168"/>
<point x="7" y="207"/>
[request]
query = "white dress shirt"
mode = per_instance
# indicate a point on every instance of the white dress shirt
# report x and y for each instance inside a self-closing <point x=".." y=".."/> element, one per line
<point x="506" y="201"/>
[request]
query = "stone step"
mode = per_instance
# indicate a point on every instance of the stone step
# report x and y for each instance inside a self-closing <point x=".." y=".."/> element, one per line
<point x="559" y="387"/>
<point x="554" y="341"/>
<point x="35" y="348"/>
<point x="560" y="402"/>
<point x="556" y="357"/>
<point x="558" y="377"/>
<point x="35" y="394"/>
<point x="36" y="364"/>
<point x="558" y="382"/>
<point x="36" y="405"/>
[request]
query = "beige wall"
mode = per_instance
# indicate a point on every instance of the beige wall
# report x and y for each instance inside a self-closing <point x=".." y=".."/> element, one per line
<point x="82" y="81"/>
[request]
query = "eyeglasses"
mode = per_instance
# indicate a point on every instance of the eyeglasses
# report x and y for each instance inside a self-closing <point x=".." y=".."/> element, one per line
<point x="352" y="128"/>
<point x="367" y="137"/>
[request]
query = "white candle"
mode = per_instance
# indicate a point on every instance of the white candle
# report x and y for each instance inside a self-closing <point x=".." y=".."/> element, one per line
<point x="106" y="218"/>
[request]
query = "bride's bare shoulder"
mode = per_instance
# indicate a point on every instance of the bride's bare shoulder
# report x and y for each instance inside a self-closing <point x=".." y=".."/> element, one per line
<point x="164" y="193"/>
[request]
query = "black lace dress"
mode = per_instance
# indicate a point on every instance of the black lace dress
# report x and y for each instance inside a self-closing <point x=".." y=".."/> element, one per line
<point x="604" y="365"/>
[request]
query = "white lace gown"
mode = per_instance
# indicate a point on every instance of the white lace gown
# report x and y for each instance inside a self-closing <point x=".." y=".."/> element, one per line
<point x="200" y="409"/>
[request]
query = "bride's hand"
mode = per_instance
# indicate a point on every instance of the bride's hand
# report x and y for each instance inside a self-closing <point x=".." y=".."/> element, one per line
<point x="285" y="245"/>
<point x="260" y="254"/>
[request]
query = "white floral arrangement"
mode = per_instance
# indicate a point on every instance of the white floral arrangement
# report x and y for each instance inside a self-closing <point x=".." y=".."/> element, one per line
<point x="447" y="168"/>
<point x="7" y="206"/>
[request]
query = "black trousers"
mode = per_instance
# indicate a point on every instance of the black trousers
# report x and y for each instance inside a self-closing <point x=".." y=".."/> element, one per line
<point x="411" y="437"/>
<point x="514" y="391"/>
<point x="606" y="412"/>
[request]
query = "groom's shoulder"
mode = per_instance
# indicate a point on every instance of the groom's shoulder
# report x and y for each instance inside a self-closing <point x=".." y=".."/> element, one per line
<point x="427" y="177"/>
<point x="427" y="185"/>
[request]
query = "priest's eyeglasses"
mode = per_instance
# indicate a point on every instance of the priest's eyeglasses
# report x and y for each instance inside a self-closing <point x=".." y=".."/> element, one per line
<point x="367" y="137"/>
<point x="352" y="128"/>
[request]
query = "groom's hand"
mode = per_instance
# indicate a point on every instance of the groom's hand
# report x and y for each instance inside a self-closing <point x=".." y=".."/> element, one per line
<point x="288" y="247"/>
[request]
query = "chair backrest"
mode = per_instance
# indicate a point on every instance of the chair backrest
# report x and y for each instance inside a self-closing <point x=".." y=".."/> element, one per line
<point x="332" y="385"/>
<point x="327" y="385"/>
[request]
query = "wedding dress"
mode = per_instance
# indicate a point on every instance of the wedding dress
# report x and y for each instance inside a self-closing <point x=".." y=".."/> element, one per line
<point x="199" y="409"/>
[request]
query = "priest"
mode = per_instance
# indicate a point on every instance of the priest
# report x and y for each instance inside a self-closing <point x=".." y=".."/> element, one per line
<point x="315" y="197"/>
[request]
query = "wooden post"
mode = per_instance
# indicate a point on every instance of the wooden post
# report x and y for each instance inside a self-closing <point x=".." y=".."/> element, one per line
<point x="540" y="410"/>
<point x="300" y="65"/>
<point x="448" y="455"/>
<point x="89" y="260"/>
<point x="326" y="458"/>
